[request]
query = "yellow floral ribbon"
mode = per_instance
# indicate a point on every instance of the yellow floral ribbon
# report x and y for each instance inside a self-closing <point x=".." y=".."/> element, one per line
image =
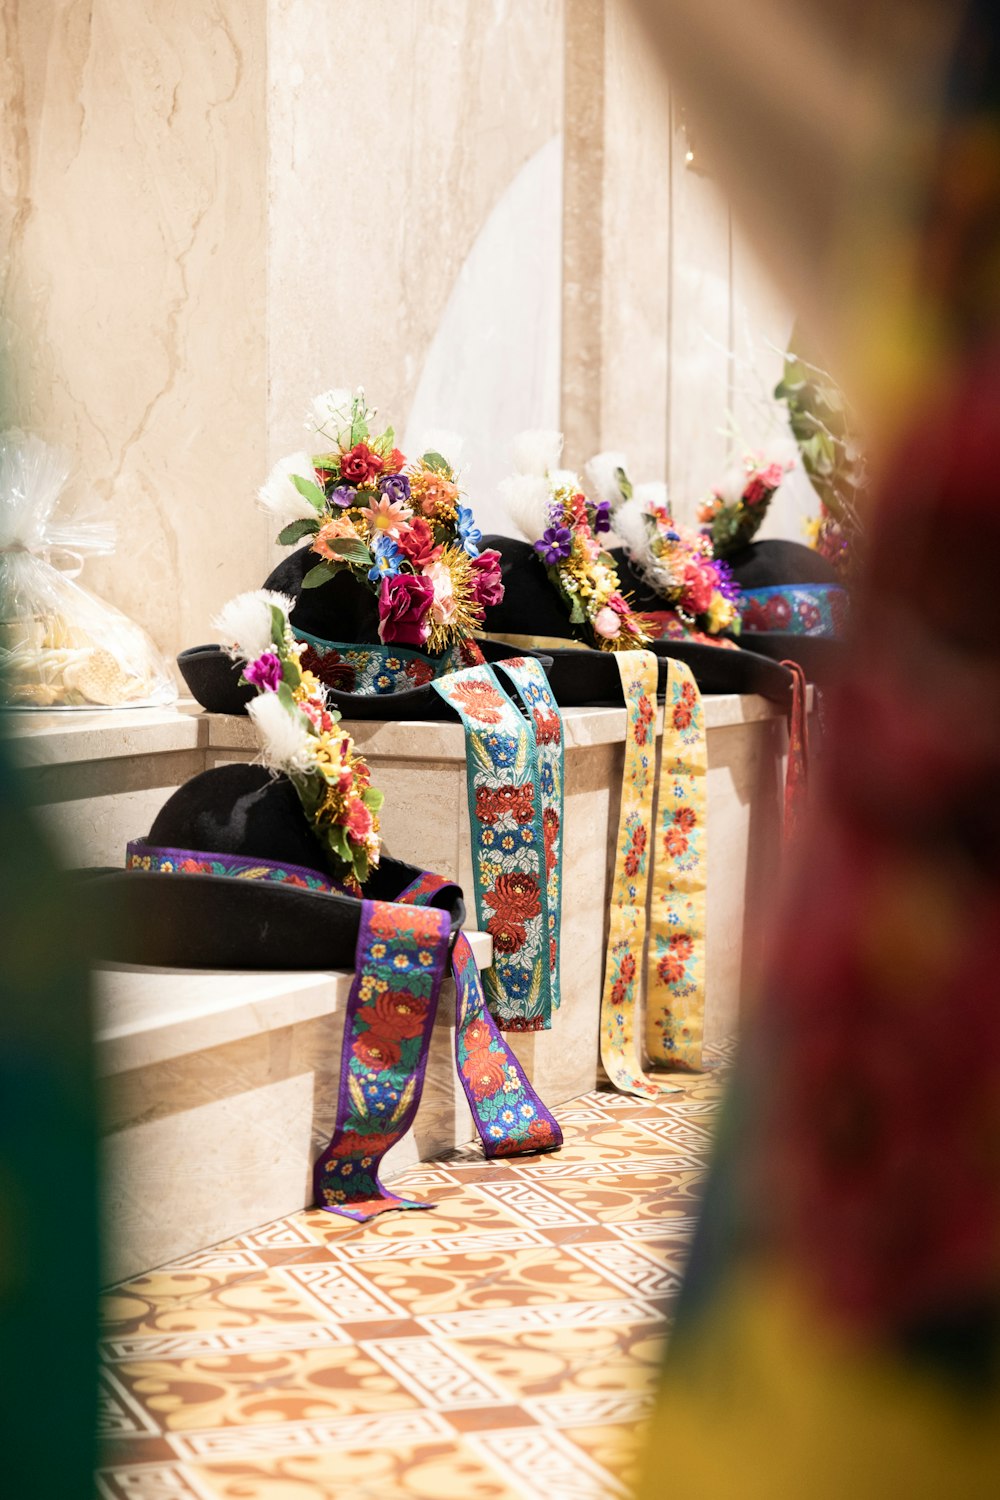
<point x="674" y="1022"/>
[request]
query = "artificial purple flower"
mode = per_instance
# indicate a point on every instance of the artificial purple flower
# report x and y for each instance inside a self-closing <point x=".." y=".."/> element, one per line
<point x="343" y="495"/>
<point x="554" y="544"/>
<point x="602" y="517"/>
<point x="727" y="585"/>
<point x="265" y="672"/>
<point x="395" y="487"/>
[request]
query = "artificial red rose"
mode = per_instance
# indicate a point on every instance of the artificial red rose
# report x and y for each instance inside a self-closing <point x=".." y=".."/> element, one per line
<point x="403" y="605"/>
<point x="359" y="464"/>
<point x="698" y="586"/>
<point x="376" y="1051"/>
<point x="515" y="897"/>
<point x="358" y="820"/>
<point x="508" y="936"/>
<point x="486" y="581"/>
<point x="485" y="1072"/>
<point x="395" y="462"/>
<point x="419" y="672"/>
<point x="416" y="542"/>
<point x="330" y="668"/>
<point x="395" y="1014"/>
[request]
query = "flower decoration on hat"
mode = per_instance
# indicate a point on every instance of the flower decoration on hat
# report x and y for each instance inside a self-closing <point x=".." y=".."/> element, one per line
<point x="399" y="526"/>
<point x="675" y="560"/>
<point x="550" y="506"/>
<point x="732" y="514"/>
<point x="299" y="736"/>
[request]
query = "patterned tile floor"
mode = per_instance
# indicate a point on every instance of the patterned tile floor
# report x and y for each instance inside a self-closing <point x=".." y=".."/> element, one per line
<point x="505" y="1345"/>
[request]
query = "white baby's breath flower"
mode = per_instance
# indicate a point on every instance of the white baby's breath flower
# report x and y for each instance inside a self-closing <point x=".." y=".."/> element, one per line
<point x="286" y="743"/>
<point x="527" y="498"/>
<point x="330" y="414"/>
<point x="244" y="624"/>
<point x="279" y="495"/>
<point x="537" y="451"/>
<point x="448" y="444"/>
<point x="602" y="477"/>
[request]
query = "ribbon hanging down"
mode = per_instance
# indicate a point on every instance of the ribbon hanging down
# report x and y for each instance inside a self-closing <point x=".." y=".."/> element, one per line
<point x="514" y="780"/>
<point x="663" y="833"/>
<point x="401" y="956"/>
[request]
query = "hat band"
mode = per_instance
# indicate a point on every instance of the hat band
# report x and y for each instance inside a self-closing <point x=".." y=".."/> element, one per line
<point x="380" y="671"/>
<point x="140" y="855"/>
<point x="540" y="642"/>
<point x="798" y="609"/>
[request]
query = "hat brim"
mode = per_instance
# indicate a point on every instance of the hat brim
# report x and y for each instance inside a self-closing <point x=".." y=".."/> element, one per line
<point x="181" y="921"/>
<point x="213" y="680"/>
<point x="821" y="657"/>
<point x="591" y="679"/>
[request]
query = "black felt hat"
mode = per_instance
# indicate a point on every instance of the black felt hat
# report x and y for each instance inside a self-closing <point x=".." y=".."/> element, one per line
<point x="532" y="609"/>
<point x="340" y="612"/>
<point x="210" y="921"/>
<point x="781" y="564"/>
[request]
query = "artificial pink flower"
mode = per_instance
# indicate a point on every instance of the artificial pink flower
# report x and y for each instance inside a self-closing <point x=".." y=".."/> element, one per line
<point x="486" y="579"/>
<point x="389" y="517"/>
<point x="403" y="605"/>
<point x="607" y="623"/>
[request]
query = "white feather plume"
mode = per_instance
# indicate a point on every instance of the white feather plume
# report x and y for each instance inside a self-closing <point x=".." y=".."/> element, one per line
<point x="527" y="497"/>
<point x="564" y="479"/>
<point x="244" y="624"/>
<point x="652" y="494"/>
<point x="602" y="477"/>
<point x="448" y="444"/>
<point x="630" y="526"/>
<point x="537" y="451"/>
<point x="286" y="743"/>
<point x="279" y="495"/>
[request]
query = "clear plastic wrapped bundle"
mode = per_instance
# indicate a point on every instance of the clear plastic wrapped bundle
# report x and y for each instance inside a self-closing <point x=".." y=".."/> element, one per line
<point x="60" y="646"/>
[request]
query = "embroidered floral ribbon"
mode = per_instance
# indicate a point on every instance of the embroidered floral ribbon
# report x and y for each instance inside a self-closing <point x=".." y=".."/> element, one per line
<point x="514" y="778"/>
<point x="386" y="1041"/>
<point x="799" y="609"/>
<point x="402" y="953"/>
<point x="668" y="834"/>
<point x="380" y="671"/>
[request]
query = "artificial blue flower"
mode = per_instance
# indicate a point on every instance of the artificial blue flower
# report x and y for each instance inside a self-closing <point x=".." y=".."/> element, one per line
<point x="554" y="544"/>
<point x="468" y="532"/>
<point x="386" y="558"/>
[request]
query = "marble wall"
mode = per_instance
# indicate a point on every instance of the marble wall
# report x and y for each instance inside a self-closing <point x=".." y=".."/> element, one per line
<point x="481" y="211"/>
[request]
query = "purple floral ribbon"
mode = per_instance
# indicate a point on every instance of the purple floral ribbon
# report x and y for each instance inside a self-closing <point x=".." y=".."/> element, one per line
<point x="403" y="951"/>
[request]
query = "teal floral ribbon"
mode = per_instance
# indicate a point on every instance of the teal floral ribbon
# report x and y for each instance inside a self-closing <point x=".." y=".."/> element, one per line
<point x="796" y="609"/>
<point x="514" y="780"/>
<point x="380" y="671"/>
